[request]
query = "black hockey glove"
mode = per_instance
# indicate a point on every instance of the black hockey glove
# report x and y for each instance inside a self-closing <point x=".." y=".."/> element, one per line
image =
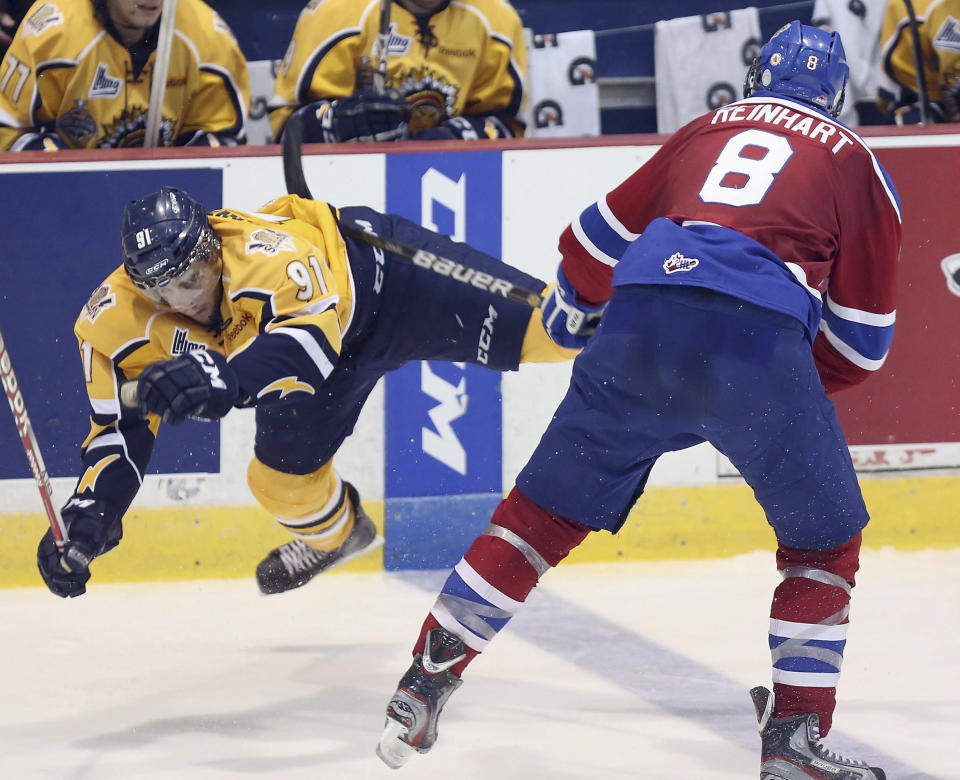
<point x="200" y="385"/>
<point x="457" y="128"/>
<point x="67" y="575"/>
<point x="362" y="117"/>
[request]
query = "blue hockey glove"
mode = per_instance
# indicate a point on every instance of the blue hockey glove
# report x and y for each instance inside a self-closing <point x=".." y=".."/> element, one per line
<point x="200" y="385"/>
<point x="569" y="322"/>
<point x="362" y="117"/>
<point x="66" y="575"/>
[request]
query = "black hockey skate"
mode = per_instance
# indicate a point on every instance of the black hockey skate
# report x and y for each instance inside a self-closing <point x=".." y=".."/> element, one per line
<point x="413" y="711"/>
<point x="296" y="563"/>
<point x="791" y="748"/>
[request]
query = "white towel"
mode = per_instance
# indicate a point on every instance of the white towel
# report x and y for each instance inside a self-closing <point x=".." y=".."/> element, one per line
<point x="263" y="74"/>
<point x="564" y="99"/>
<point x="700" y="63"/>
<point x="858" y="22"/>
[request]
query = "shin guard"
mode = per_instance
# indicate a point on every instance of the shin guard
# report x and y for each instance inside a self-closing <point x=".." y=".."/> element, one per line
<point x="808" y="628"/>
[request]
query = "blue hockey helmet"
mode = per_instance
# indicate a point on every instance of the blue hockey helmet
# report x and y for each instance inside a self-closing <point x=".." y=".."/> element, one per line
<point x="801" y="62"/>
<point x="170" y="252"/>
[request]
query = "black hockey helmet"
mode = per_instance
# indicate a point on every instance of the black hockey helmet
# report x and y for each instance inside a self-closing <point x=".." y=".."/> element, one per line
<point x="159" y="234"/>
<point x="170" y="252"/>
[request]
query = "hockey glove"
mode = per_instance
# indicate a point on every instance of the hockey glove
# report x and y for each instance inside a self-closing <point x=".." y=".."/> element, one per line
<point x="39" y="142"/>
<point x="362" y="117"/>
<point x="66" y="575"/>
<point x="200" y="385"/>
<point x="464" y="128"/>
<point x="569" y="321"/>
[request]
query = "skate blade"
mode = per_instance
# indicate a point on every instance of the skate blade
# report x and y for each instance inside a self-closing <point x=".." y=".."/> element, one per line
<point x="392" y="750"/>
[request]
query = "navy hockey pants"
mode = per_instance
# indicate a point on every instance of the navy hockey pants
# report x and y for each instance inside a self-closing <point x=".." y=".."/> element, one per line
<point x="671" y="367"/>
<point x="402" y="313"/>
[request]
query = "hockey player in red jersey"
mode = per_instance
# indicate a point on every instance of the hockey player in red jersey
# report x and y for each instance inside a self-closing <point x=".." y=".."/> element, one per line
<point x="740" y="276"/>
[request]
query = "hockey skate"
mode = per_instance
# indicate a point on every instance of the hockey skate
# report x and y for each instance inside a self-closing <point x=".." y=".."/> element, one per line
<point x="296" y="563"/>
<point x="413" y="711"/>
<point x="791" y="748"/>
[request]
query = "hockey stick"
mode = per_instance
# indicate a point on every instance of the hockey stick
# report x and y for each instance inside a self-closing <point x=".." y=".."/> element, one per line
<point x="30" y="446"/>
<point x="382" y="42"/>
<point x="158" y="79"/>
<point x="297" y="185"/>
<point x="918" y="61"/>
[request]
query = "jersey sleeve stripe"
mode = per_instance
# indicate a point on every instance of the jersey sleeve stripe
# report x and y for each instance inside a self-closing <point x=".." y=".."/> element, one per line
<point x="308" y="342"/>
<point x="604" y="208"/>
<point x="860" y="316"/>
<point x="853" y="340"/>
<point x="313" y="61"/>
<point x="601" y="241"/>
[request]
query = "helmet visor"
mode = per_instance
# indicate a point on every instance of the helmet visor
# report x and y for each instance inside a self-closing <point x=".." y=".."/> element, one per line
<point x="194" y="291"/>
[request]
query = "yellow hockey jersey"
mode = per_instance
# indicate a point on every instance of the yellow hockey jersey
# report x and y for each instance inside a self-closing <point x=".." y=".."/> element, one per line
<point x="66" y="76"/>
<point x="467" y="58"/>
<point x="939" y="33"/>
<point x="287" y="304"/>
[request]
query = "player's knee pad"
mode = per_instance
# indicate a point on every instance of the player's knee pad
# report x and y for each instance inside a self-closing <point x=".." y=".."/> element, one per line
<point x="315" y="507"/>
<point x="537" y="346"/>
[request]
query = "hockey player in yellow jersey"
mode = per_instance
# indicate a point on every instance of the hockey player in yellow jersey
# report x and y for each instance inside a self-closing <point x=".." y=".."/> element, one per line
<point x="938" y="31"/>
<point x="453" y="70"/>
<point x="78" y="75"/>
<point x="282" y="311"/>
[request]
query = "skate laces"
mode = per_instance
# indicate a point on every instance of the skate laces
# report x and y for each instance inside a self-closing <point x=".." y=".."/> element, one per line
<point x="298" y="556"/>
<point x="825" y="753"/>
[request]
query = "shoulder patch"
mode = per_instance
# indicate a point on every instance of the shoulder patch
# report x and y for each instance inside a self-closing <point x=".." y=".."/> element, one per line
<point x="47" y="15"/>
<point x="948" y="36"/>
<point x="269" y="242"/>
<point x="101" y="300"/>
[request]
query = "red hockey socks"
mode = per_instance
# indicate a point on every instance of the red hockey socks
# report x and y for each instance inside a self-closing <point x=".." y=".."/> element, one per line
<point x="504" y="563"/>
<point x="808" y="628"/>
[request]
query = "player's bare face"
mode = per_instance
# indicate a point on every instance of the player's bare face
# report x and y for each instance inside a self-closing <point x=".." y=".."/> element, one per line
<point x="133" y="18"/>
<point x="196" y="292"/>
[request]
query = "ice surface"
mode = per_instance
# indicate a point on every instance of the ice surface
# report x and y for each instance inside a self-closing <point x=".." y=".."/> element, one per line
<point x="610" y="671"/>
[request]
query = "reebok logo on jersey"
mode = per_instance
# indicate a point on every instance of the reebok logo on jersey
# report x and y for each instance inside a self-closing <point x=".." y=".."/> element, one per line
<point x="677" y="262"/>
<point x="104" y="85"/>
<point x="948" y="36"/>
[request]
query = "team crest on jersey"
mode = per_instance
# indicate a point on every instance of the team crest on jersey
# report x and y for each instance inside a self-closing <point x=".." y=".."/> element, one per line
<point x="268" y="242"/>
<point x="47" y="15"/>
<point x="677" y="262"/>
<point x="101" y="300"/>
<point x="181" y="342"/>
<point x="948" y="36"/>
<point x="77" y="124"/>
<point x="397" y="44"/>
<point x="431" y="98"/>
<point x="286" y="386"/>
<point x="129" y="128"/>
<point x="104" y="85"/>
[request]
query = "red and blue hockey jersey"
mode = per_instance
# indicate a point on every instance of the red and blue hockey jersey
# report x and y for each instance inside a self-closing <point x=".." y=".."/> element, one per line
<point x="768" y="200"/>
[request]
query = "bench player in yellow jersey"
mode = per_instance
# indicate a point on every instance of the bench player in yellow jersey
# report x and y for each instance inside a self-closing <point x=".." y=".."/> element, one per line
<point x="938" y="36"/>
<point x="283" y="311"/>
<point x="79" y="72"/>
<point x="454" y="70"/>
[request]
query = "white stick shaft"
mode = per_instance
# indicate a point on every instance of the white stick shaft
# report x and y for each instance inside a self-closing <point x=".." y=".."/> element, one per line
<point x="30" y="446"/>
<point x="161" y="66"/>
